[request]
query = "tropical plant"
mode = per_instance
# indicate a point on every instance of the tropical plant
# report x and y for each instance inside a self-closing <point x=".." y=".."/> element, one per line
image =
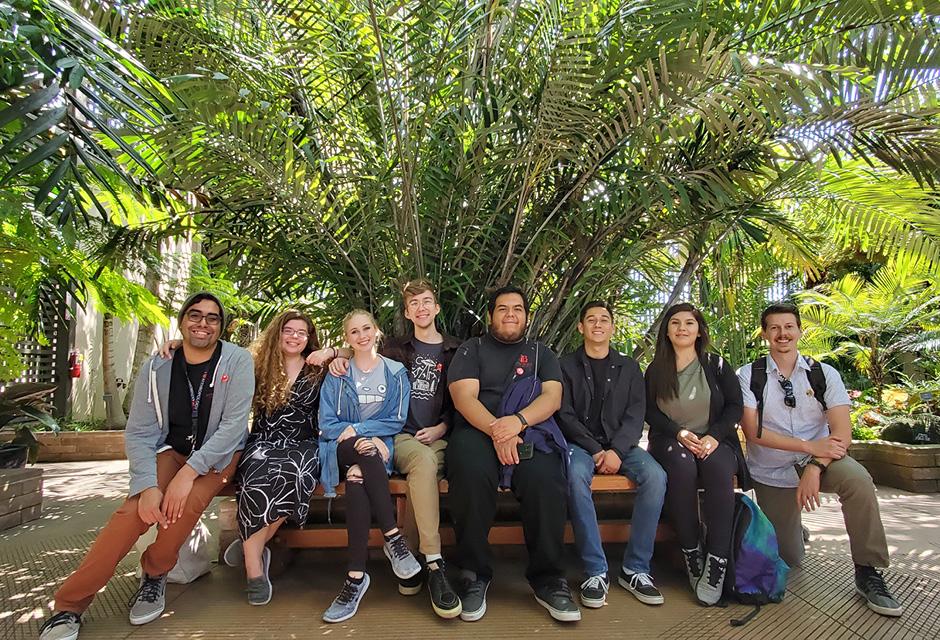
<point x="874" y="322"/>
<point x="335" y="149"/>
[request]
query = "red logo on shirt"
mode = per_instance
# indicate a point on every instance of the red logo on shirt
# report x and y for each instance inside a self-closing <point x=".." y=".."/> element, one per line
<point x="440" y="366"/>
<point x="519" y="371"/>
<point x="524" y="359"/>
<point x="224" y="377"/>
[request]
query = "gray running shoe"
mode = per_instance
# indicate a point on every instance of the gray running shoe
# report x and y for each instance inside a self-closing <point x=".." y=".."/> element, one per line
<point x="404" y="564"/>
<point x="149" y="601"/>
<point x="259" y="589"/>
<point x="712" y="583"/>
<point x="347" y="602"/>
<point x="472" y="596"/>
<point x="694" y="564"/>
<point x="234" y="555"/>
<point x="61" y="626"/>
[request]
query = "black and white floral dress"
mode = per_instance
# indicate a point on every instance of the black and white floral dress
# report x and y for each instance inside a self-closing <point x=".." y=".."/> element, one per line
<point x="280" y="464"/>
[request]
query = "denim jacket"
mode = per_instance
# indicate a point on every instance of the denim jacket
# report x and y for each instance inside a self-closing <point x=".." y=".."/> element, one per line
<point x="339" y="408"/>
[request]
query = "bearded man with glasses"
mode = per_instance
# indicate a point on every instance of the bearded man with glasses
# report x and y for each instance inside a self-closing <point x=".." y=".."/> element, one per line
<point x="798" y="430"/>
<point x="187" y="426"/>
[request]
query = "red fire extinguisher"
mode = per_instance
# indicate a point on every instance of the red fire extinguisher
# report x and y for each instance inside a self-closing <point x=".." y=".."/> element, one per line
<point x="75" y="364"/>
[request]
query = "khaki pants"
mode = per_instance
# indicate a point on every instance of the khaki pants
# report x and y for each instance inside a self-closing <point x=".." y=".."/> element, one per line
<point x="422" y="465"/>
<point x="119" y="535"/>
<point x="856" y="490"/>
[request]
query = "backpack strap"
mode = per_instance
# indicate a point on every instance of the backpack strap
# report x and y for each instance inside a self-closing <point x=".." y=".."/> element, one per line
<point x="817" y="381"/>
<point x="758" y="382"/>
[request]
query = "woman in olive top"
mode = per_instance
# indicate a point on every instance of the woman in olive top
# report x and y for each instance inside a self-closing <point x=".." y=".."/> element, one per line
<point x="693" y="403"/>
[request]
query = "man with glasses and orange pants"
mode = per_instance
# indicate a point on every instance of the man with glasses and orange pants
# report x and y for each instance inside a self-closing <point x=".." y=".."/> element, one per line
<point x="798" y="429"/>
<point x="187" y="425"/>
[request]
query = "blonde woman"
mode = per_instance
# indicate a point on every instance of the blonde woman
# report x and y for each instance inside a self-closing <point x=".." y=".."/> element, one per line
<point x="360" y="413"/>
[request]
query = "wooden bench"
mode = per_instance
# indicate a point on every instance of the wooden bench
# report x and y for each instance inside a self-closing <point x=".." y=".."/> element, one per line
<point x="333" y="535"/>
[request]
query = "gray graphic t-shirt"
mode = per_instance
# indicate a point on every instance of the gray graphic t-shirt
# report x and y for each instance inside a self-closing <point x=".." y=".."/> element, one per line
<point x="370" y="387"/>
<point x="427" y="395"/>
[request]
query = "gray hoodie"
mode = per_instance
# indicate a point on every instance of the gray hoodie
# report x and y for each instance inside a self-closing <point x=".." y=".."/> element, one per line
<point x="233" y="382"/>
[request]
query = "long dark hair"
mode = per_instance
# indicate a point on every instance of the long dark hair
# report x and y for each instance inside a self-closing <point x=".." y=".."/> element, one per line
<point x="662" y="370"/>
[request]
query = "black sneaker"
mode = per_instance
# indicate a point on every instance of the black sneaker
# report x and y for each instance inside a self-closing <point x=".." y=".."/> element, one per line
<point x="594" y="591"/>
<point x="444" y="599"/>
<point x="412" y="586"/>
<point x="61" y="626"/>
<point x="641" y="586"/>
<point x="870" y="584"/>
<point x="473" y="597"/>
<point x="694" y="564"/>
<point x="556" y="597"/>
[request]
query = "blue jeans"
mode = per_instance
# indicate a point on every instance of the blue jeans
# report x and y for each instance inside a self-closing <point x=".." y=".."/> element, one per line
<point x="641" y="468"/>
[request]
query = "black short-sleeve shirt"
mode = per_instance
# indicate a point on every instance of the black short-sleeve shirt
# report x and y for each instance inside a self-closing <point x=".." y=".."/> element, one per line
<point x="495" y="363"/>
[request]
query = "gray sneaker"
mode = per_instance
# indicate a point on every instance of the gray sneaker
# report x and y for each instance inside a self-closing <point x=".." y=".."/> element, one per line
<point x="259" y="589"/>
<point x="870" y="584"/>
<point x="61" y="626"/>
<point x="347" y="602"/>
<point x="694" y="564"/>
<point x="149" y="601"/>
<point x="404" y="564"/>
<point x="234" y="555"/>
<point x="472" y="596"/>
<point x="712" y="583"/>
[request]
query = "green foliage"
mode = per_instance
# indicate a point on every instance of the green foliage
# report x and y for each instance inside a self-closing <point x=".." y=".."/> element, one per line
<point x="329" y="151"/>
<point x="874" y="322"/>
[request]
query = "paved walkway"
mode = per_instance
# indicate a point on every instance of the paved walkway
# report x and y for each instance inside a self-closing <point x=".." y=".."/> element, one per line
<point x="820" y="602"/>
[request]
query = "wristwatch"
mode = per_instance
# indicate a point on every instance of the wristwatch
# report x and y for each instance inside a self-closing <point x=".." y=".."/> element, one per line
<point x="522" y="419"/>
<point x="817" y="463"/>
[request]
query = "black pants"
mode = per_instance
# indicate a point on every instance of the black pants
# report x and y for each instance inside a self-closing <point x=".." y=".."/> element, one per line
<point x="685" y="473"/>
<point x="540" y="486"/>
<point x="364" y="497"/>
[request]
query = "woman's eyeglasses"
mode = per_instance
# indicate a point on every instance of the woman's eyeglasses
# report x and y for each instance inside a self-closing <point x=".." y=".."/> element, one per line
<point x="300" y="333"/>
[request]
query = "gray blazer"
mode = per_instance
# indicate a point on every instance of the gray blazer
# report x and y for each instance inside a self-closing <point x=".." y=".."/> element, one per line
<point x="233" y="382"/>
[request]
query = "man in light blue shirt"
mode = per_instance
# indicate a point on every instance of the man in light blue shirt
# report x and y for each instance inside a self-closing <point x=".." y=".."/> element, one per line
<point x="801" y="450"/>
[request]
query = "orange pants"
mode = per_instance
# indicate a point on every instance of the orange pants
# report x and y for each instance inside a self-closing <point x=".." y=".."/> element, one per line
<point x="125" y="527"/>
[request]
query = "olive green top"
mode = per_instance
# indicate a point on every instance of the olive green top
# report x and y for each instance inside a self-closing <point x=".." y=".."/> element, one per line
<point x="690" y="408"/>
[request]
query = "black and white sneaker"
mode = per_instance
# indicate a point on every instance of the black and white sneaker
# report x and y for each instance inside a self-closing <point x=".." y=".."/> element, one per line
<point x="556" y="597"/>
<point x="870" y="584"/>
<point x="61" y="626"/>
<point x="641" y="586"/>
<point x="444" y="599"/>
<point x="594" y="591"/>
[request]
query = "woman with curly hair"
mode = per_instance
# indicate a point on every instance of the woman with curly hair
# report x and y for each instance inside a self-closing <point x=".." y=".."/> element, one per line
<point x="280" y="464"/>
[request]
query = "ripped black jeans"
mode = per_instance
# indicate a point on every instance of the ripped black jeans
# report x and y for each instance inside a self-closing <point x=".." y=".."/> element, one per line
<point x="366" y="494"/>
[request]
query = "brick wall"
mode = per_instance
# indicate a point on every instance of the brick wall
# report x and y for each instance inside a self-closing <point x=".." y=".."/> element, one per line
<point x="76" y="446"/>
<point x="20" y="496"/>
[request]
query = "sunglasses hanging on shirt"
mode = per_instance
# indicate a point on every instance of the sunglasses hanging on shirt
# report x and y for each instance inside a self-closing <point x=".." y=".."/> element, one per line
<point x="789" y="398"/>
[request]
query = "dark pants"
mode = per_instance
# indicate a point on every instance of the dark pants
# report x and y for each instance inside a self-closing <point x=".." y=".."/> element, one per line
<point x="538" y="483"/>
<point x="366" y="494"/>
<point x="685" y="473"/>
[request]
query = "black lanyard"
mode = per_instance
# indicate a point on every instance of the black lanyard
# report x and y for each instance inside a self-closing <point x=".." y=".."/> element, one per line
<point x="195" y="398"/>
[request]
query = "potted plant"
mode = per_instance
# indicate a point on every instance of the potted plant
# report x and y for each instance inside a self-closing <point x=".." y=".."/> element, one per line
<point x="23" y="400"/>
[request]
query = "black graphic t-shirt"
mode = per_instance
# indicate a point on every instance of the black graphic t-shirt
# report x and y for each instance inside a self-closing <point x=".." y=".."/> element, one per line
<point x="496" y="364"/>
<point x="427" y="394"/>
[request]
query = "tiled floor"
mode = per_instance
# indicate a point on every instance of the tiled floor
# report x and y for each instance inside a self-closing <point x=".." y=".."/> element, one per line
<point x="820" y="602"/>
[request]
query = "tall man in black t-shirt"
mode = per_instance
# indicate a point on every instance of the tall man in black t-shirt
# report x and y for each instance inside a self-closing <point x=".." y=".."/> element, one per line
<point x="481" y="373"/>
<point x="602" y="418"/>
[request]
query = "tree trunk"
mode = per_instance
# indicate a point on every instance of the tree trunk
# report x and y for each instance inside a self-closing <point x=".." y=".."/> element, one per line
<point x="114" y="412"/>
<point x="692" y="263"/>
<point x="145" y="338"/>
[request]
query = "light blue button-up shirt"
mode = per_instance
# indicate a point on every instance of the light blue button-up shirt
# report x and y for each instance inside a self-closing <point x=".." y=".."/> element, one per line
<point x="806" y="421"/>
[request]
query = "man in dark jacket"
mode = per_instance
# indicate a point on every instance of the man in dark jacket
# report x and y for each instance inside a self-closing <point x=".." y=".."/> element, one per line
<point x="601" y="416"/>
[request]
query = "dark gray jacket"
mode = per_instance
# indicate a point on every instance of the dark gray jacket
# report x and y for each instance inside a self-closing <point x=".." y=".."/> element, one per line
<point x="624" y="402"/>
<point x="147" y="427"/>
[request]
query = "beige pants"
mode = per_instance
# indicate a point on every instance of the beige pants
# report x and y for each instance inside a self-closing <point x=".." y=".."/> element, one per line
<point x="853" y="484"/>
<point x="422" y="465"/>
